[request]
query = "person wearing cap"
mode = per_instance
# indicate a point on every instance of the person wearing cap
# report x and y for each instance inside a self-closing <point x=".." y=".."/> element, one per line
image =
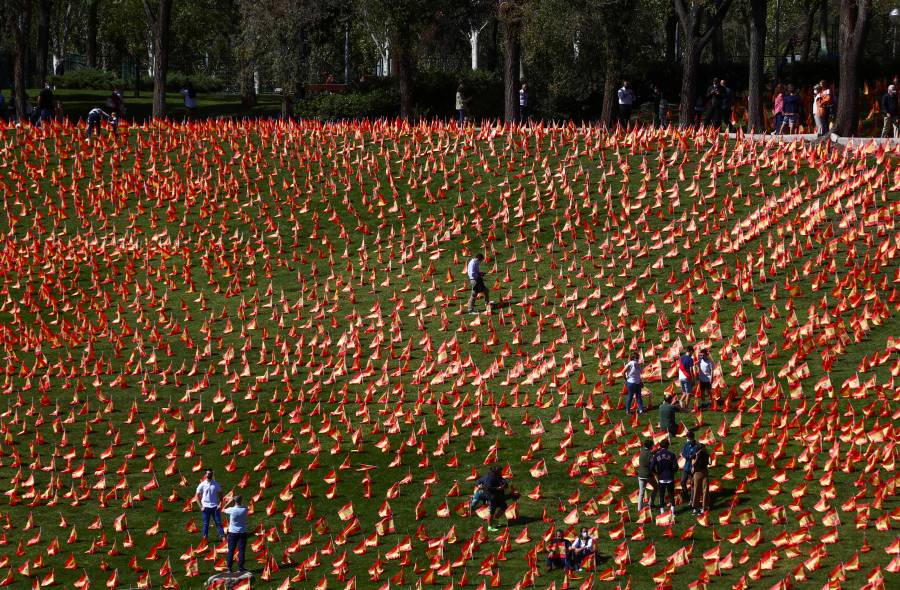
<point x="476" y="280"/>
<point x="209" y="494"/>
<point x="890" y="111"/>
<point x="237" y="530"/>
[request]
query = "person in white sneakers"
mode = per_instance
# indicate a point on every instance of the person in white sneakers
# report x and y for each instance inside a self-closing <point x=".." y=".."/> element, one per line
<point x="476" y="280"/>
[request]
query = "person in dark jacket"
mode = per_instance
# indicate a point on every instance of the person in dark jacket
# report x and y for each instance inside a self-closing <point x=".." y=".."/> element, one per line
<point x="663" y="465"/>
<point x="667" y="416"/>
<point x="492" y="487"/>
<point x="889" y="108"/>
<point x="645" y="474"/>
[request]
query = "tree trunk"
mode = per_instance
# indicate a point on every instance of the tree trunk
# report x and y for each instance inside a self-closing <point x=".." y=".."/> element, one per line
<point x="91" y="48"/>
<point x="248" y="85"/>
<point x="405" y="74"/>
<point x="21" y="27"/>
<point x="757" y="56"/>
<point x="608" y="114"/>
<point x="162" y="22"/>
<point x="808" y="24"/>
<point x="287" y="104"/>
<point x="823" y="32"/>
<point x="854" y="25"/>
<point x="690" y="66"/>
<point x="510" y="72"/>
<point x="42" y="56"/>
<point x="671" y="38"/>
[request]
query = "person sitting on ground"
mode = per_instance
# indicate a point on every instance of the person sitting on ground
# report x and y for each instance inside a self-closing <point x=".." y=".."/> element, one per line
<point x="663" y="465"/>
<point x="558" y="551"/>
<point x="667" y="412"/>
<point x="476" y="281"/>
<point x="645" y="474"/>
<point x="493" y="489"/>
<point x="633" y="383"/>
<point x="581" y="549"/>
<point x="700" y="470"/>
<point x="237" y="531"/>
<point x="687" y="453"/>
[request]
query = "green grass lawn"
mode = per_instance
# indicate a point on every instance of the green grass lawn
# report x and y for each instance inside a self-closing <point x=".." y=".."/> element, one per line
<point x="284" y="304"/>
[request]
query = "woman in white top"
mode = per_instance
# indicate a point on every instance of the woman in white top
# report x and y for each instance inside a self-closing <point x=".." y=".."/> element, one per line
<point x="633" y="383"/>
<point x="706" y="366"/>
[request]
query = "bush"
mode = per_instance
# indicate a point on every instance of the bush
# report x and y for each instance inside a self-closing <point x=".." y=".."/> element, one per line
<point x="203" y="83"/>
<point x="379" y="102"/>
<point x="86" y="79"/>
<point x="434" y="93"/>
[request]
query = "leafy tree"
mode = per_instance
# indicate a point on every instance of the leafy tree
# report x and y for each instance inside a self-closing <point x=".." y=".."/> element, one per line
<point x="854" y="26"/>
<point x="509" y="13"/>
<point x="692" y="14"/>
<point x="758" y="11"/>
<point x="160" y="19"/>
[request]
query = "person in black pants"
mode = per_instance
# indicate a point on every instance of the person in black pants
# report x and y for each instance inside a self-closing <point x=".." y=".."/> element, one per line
<point x="237" y="531"/>
<point x="663" y="465"/>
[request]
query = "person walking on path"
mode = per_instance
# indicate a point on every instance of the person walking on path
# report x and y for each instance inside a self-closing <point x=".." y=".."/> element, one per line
<point x="778" y="107"/>
<point x="664" y="464"/>
<point x="822" y="103"/>
<point x="790" y="111"/>
<point x="687" y="453"/>
<point x="889" y="108"/>
<point x="727" y="98"/>
<point x="700" y="475"/>
<point x="209" y="494"/>
<point x="713" y="104"/>
<point x="238" y="531"/>
<point x="626" y="103"/>
<point x="645" y="474"/>
<point x="667" y="412"/>
<point x="476" y="281"/>
<point x="633" y="383"/>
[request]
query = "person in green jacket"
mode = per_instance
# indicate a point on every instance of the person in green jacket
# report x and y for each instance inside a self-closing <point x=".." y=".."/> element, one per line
<point x="645" y="474"/>
<point x="667" y="416"/>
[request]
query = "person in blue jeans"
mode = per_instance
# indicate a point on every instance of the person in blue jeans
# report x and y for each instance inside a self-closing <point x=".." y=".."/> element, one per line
<point x="633" y="383"/>
<point x="237" y="531"/>
<point x="209" y="493"/>
<point x="687" y="453"/>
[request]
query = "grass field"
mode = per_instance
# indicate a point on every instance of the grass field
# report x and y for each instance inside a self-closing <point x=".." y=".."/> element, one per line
<point x="284" y="304"/>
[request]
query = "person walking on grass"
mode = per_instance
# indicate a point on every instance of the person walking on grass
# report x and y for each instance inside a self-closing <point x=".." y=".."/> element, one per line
<point x="461" y="104"/>
<point x="209" y="494"/>
<point x="891" y="112"/>
<point x="686" y="375"/>
<point x="633" y="383"/>
<point x="645" y="474"/>
<point x="700" y="475"/>
<point x="493" y="489"/>
<point x="238" y="531"/>
<point x="687" y="453"/>
<point x="476" y="281"/>
<point x="664" y="464"/>
<point x="190" y="99"/>
<point x="705" y="368"/>
<point x="524" y="104"/>
<point x="626" y="103"/>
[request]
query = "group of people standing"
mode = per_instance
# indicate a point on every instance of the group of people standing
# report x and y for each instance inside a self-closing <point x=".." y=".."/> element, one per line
<point x="657" y="466"/>
<point x="695" y="378"/>
<point x="787" y="108"/>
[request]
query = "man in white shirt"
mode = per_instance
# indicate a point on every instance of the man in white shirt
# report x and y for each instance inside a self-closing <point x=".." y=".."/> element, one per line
<point x="633" y="383"/>
<point x="581" y="549"/>
<point x="237" y="531"/>
<point x="705" y="376"/>
<point x="209" y="493"/>
<point x="476" y="280"/>
<point x="626" y="103"/>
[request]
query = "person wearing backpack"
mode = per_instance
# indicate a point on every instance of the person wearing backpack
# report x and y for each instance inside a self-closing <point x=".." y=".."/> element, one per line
<point x="663" y="465"/>
<point x="687" y="453"/>
<point x="700" y="471"/>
